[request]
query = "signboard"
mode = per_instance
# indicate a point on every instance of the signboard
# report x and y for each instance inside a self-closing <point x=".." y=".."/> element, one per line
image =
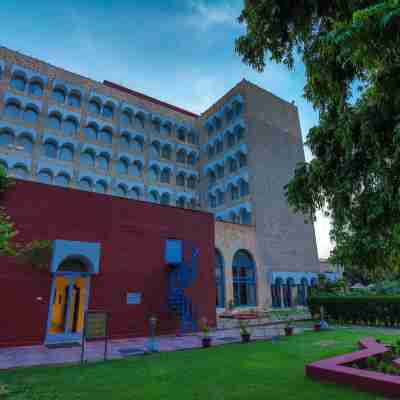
<point x="96" y="325"/>
<point x="134" y="298"/>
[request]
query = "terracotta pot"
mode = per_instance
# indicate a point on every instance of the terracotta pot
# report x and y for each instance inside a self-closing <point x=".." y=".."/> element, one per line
<point x="206" y="342"/>
<point x="245" y="337"/>
<point x="289" y="330"/>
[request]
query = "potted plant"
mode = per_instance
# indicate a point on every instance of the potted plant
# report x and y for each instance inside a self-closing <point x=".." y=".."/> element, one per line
<point x="289" y="328"/>
<point x="206" y="339"/>
<point x="244" y="332"/>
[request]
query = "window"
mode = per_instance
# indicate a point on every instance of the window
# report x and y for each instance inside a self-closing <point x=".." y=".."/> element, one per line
<point x="181" y="202"/>
<point x="74" y="99"/>
<point x="31" y="114"/>
<point x="191" y="183"/>
<point x="166" y="152"/>
<point x="245" y="217"/>
<point x="181" y="134"/>
<point x="211" y="177"/>
<point x="229" y="115"/>
<point x="232" y="165"/>
<point x="210" y="151"/>
<point x="126" y="117"/>
<point x="94" y="107"/>
<point x="220" y="279"/>
<point x="135" y="193"/>
<point x="276" y="293"/>
<point x="218" y="123"/>
<point x="26" y="142"/>
<point x="62" y="180"/>
<point x="155" y="150"/>
<point x="54" y="121"/>
<point x="85" y="184"/>
<point x="12" y="109"/>
<point x="18" y="82"/>
<point x="191" y="138"/>
<point x="165" y="199"/>
<point x="36" y="88"/>
<point x="231" y="139"/>
<point x="210" y="129"/>
<point x="220" y="146"/>
<point x="165" y="175"/>
<point x="124" y="141"/>
<point x="121" y="190"/>
<point x="108" y="110"/>
<point x="106" y="136"/>
<point x="180" y="179"/>
<point x="45" y="176"/>
<point x="153" y="196"/>
<point x="234" y="192"/>
<point x="58" y="95"/>
<point x="220" y="171"/>
<point x="212" y="201"/>
<point x="136" y="168"/>
<point x="139" y="118"/>
<point x="101" y="187"/>
<point x="91" y="131"/>
<point x="103" y="161"/>
<point x="240" y="133"/>
<point x="166" y="129"/>
<point x="50" y="149"/>
<point x="220" y="197"/>
<point x="122" y="166"/>
<point x="157" y="124"/>
<point x="238" y="108"/>
<point x="153" y="173"/>
<point x="67" y="153"/>
<point x="242" y="160"/>
<point x="191" y="159"/>
<point x="303" y="292"/>
<point x="137" y="144"/>
<point x="244" y="279"/>
<point x="87" y="158"/>
<point x="181" y="156"/>
<point x="6" y="138"/>
<point x="244" y="188"/>
<point x="288" y="292"/>
<point x="70" y="126"/>
<point x="21" y="171"/>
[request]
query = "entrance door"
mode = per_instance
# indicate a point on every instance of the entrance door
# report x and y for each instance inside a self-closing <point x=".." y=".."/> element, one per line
<point x="66" y="314"/>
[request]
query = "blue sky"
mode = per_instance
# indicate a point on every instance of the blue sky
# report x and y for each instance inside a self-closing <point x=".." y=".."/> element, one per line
<point x="179" y="51"/>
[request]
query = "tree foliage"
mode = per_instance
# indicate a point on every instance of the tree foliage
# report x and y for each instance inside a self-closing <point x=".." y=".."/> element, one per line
<point x="351" y="52"/>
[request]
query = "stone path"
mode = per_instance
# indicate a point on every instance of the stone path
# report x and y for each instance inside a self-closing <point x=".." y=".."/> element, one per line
<point x="13" y="357"/>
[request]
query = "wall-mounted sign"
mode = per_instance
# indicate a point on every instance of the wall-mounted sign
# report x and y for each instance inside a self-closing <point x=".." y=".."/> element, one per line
<point x="133" y="298"/>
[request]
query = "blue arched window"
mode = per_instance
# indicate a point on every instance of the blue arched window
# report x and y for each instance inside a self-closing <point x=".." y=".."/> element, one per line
<point x="122" y="166"/>
<point x="153" y="196"/>
<point x="6" y="137"/>
<point x="121" y="190"/>
<point x="25" y="140"/>
<point x="126" y="117"/>
<point x="45" y="176"/>
<point x="108" y="110"/>
<point x="136" y="168"/>
<point x="244" y="279"/>
<point x="106" y="135"/>
<point x="134" y="193"/>
<point x="74" y="99"/>
<point x="91" y="131"/>
<point x="137" y="144"/>
<point x="67" y="153"/>
<point x="101" y="186"/>
<point x="36" y="88"/>
<point x="31" y="114"/>
<point x="21" y="170"/>
<point x="94" y="107"/>
<point x="165" y="199"/>
<point x="288" y="292"/>
<point x="276" y="293"/>
<point x="87" y="158"/>
<point x="50" y="149"/>
<point x="54" y="121"/>
<point x="12" y="109"/>
<point x="18" y="82"/>
<point x="85" y="184"/>
<point x="62" y="179"/>
<point x="153" y="173"/>
<point x="58" y="95"/>
<point x="220" y="278"/>
<point x="124" y="141"/>
<point x="303" y="289"/>
<point x="165" y="175"/>
<point x="103" y="162"/>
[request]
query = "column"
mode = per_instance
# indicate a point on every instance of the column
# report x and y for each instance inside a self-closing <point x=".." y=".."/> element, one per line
<point x="69" y="304"/>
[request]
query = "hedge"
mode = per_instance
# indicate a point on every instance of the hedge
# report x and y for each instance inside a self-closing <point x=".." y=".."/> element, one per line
<point x="364" y="310"/>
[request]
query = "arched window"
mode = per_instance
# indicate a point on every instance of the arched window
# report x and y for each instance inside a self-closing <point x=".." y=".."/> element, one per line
<point x="166" y="152"/>
<point x="303" y="292"/>
<point x="106" y="135"/>
<point x="58" y="95"/>
<point x="74" y="99"/>
<point x="229" y="114"/>
<point x="139" y="119"/>
<point x="54" y="121"/>
<point x="166" y="128"/>
<point x="103" y="161"/>
<point x="155" y="150"/>
<point x="165" y="175"/>
<point x="137" y="144"/>
<point x="94" y="107"/>
<point x="108" y="110"/>
<point x="91" y="131"/>
<point x="101" y="186"/>
<point x="87" y="158"/>
<point x="31" y="114"/>
<point x="62" y="179"/>
<point x="244" y="279"/>
<point x="288" y="293"/>
<point x="67" y="152"/>
<point x="181" y="202"/>
<point x="136" y="168"/>
<point x="191" y="182"/>
<point x="180" y="179"/>
<point x="18" y="82"/>
<point x="21" y="171"/>
<point x="86" y="184"/>
<point x="122" y="166"/>
<point x="25" y="140"/>
<point x="126" y="117"/>
<point x="211" y="177"/>
<point x="121" y="190"/>
<point x="12" y="109"/>
<point x="245" y="216"/>
<point x="220" y="278"/>
<point x="45" y="176"/>
<point x="153" y="173"/>
<point x="220" y="197"/>
<point x="234" y="192"/>
<point x="220" y="171"/>
<point x="212" y="201"/>
<point x="181" y="134"/>
<point x="70" y="126"/>
<point x="135" y="193"/>
<point x="153" y="196"/>
<point x="6" y="138"/>
<point x="240" y="133"/>
<point x="36" y="88"/>
<point x="124" y="141"/>
<point x="244" y="187"/>
<point x="191" y="159"/>
<point x="157" y="124"/>
<point x="210" y="151"/>
<point x="165" y="199"/>
<point x="191" y="138"/>
<point x="219" y="146"/>
<point x="238" y="107"/>
<point x="242" y="160"/>
<point x="276" y="293"/>
<point x="181" y="156"/>
<point x="234" y="218"/>
<point x="231" y="139"/>
<point x="50" y="149"/>
<point x="232" y="165"/>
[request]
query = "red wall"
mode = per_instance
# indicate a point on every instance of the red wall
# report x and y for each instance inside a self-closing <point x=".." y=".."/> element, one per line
<point x="132" y="236"/>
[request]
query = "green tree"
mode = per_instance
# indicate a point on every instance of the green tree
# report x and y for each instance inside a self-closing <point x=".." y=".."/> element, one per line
<point x="351" y="52"/>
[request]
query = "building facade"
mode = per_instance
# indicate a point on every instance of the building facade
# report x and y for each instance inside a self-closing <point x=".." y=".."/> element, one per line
<point x="233" y="160"/>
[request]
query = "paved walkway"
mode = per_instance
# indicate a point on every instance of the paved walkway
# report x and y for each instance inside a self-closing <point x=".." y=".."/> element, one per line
<point x="13" y="357"/>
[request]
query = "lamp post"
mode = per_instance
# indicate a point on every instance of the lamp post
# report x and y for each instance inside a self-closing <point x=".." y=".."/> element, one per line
<point x="153" y="345"/>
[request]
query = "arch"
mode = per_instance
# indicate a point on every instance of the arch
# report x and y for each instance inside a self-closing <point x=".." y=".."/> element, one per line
<point x="21" y="170"/>
<point x="86" y="183"/>
<point x="12" y="108"/>
<point x="134" y="193"/>
<point x="212" y="201"/>
<point x="50" y="148"/>
<point x="91" y="131"/>
<point x="181" y="201"/>
<point x="191" y="182"/>
<point x="73" y="264"/>
<point x="136" y="168"/>
<point x="242" y="158"/>
<point x="165" y="199"/>
<point x="166" y="128"/>
<point x="166" y="151"/>
<point x="18" y="81"/>
<point x="276" y="293"/>
<point x="103" y="161"/>
<point x="26" y="141"/>
<point x="62" y="179"/>
<point x="244" y="187"/>
<point x="126" y="117"/>
<point x="220" y="170"/>
<point x="67" y="152"/>
<point x="244" y="279"/>
<point x="106" y="135"/>
<point x="230" y="138"/>
<point x="70" y="126"/>
<point x="59" y="94"/>
<point x="153" y="196"/>
<point x="45" y="176"/>
<point x="181" y="134"/>
<point x="219" y="146"/>
<point x="303" y="292"/>
<point x="288" y="292"/>
<point x="155" y="149"/>
<point x="94" y="105"/>
<point x="123" y="165"/>
<point x="137" y="143"/>
<point x="36" y="87"/>
<point x="121" y="190"/>
<point x="220" y="278"/>
<point x="233" y="166"/>
<point x="74" y="99"/>
<point x="240" y="132"/>
<point x="245" y="216"/>
<point x="180" y="179"/>
<point x="220" y="196"/>
<point x="181" y="156"/>
<point x="108" y="110"/>
<point x="7" y="137"/>
<point x="234" y="192"/>
<point x="153" y="173"/>
<point x="54" y="120"/>
<point x="124" y="140"/>
<point x="31" y="113"/>
<point x="101" y="186"/>
<point x="140" y="118"/>
<point x="192" y="158"/>
<point x="87" y="158"/>
<point x="165" y="175"/>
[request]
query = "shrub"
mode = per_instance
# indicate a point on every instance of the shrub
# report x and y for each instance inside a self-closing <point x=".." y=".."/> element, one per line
<point x="372" y="363"/>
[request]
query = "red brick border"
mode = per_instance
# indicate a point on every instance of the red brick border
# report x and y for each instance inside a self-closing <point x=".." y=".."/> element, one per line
<point x="334" y="370"/>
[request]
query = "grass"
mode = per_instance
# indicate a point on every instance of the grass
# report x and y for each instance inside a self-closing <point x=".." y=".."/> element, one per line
<point x="258" y="370"/>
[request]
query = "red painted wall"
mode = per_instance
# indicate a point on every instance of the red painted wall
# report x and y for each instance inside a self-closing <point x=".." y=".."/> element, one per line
<point x="132" y="236"/>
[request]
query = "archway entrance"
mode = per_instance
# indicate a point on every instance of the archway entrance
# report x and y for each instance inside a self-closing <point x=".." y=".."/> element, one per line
<point x="69" y="300"/>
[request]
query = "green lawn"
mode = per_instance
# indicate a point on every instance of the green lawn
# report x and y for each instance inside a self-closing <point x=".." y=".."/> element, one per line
<point x="261" y="370"/>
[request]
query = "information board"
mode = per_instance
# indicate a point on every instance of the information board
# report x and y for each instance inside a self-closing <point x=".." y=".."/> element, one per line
<point x="96" y="325"/>
<point x="133" y="298"/>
